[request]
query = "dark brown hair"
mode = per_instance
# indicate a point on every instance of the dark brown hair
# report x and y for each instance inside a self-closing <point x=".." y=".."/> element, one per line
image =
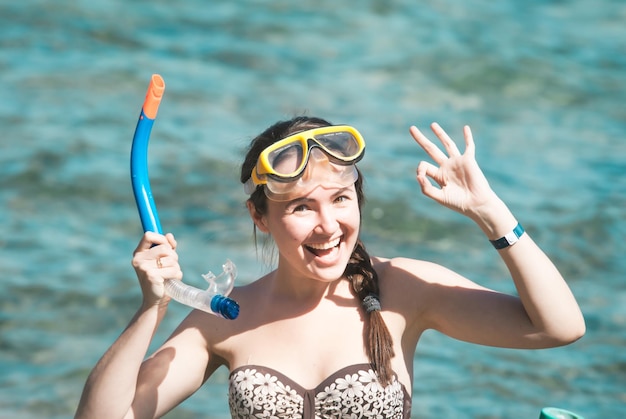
<point x="359" y="271"/>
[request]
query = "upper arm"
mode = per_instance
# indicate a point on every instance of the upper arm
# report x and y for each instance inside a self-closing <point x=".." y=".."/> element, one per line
<point x="434" y="297"/>
<point x="174" y="372"/>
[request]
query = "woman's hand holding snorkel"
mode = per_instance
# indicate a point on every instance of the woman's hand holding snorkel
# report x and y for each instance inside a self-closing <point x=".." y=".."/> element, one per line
<point x="154" y="260"/>
<point x="214" y="300"/>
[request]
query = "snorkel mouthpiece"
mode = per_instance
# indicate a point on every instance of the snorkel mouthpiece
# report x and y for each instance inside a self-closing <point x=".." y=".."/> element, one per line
<point x="225" y="307"/>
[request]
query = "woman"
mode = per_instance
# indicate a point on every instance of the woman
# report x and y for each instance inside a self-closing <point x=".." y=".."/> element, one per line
<point x="332" y="331"/>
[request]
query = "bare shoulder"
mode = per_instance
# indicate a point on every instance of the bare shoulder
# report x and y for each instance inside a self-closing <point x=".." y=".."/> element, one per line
<point x="420" y="272"/>
<point x="416" y="272"/>
<point x="403" y="282"/>
<point x="413" y="286"/>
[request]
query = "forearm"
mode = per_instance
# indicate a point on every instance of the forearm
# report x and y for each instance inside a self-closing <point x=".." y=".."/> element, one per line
<point x="111" y="386"/>
<point x="546" y="297"/>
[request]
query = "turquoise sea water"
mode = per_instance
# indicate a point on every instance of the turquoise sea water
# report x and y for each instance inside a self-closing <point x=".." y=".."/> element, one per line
<point x="541" y="83"/>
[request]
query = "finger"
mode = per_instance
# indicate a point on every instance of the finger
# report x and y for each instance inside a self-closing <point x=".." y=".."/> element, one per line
<point x="170" y="272"/>
<point x="158" y="268"/>
<point x="425" y="172"/>
<point x="161" y="262"/>
<point x="173" y="272"/>
<point x="470" y="147"/>
<point x="150" y="239"/>
<point x="447" y="142"/>
<point x="171" y="240"/>
<point x="168" y="267"/>
<point x="162" y="254"/>
<point x="429" y="147"/>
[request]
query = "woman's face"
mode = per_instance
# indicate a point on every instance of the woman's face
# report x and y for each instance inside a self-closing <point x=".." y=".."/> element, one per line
<point x="315" y="233"/>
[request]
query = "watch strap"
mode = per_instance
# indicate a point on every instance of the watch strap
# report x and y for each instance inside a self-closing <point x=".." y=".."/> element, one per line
<point x="508" y="239"/>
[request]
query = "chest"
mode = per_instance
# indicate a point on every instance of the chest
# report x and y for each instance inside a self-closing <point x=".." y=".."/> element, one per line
<point x="307" y="347"/>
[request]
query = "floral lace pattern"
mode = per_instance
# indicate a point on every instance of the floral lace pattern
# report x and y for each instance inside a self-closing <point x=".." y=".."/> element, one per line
<point x="352" y="392"/>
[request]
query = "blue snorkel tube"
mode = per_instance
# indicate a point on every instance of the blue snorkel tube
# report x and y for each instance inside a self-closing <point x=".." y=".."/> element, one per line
<point x="214" y="300"/>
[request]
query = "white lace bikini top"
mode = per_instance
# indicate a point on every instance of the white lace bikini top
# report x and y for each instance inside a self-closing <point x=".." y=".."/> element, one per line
<point x="353" y="391"/>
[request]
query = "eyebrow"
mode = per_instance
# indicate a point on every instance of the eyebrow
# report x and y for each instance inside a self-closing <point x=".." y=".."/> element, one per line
<point x="297" y="201"/>
<point x="342" y="190"/>
<point x="304" y="199"/>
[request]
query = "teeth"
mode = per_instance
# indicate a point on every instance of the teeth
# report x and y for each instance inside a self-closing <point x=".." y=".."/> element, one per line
<point x="324" y="246"/>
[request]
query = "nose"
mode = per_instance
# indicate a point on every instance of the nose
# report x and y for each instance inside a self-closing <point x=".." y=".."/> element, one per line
<point x="327" y="221"/>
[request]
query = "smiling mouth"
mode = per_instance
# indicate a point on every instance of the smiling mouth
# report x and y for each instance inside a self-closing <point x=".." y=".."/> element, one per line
<point x="320" y="249"/>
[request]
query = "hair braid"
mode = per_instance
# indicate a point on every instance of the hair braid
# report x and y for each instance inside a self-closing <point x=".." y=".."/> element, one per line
<point x="378" y="342"/>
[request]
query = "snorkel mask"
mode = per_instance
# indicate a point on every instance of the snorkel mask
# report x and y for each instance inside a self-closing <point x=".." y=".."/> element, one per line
<point x="295" y="165"/>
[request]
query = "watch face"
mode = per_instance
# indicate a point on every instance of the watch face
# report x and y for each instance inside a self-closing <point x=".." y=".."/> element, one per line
<point x="511" y="238"/>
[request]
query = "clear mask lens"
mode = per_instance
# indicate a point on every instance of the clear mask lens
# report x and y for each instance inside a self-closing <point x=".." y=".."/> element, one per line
<point x="281" y="167"/>
<point x="319" y="171"/>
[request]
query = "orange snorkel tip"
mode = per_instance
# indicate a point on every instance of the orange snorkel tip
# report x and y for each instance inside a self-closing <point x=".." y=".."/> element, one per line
<point x="154" y="96"/>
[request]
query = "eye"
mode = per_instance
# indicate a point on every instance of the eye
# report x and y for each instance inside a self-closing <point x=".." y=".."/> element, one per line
<point x="344" y="198"/>
<point x="344" y="195"/>
<point x="299" y="208"/>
